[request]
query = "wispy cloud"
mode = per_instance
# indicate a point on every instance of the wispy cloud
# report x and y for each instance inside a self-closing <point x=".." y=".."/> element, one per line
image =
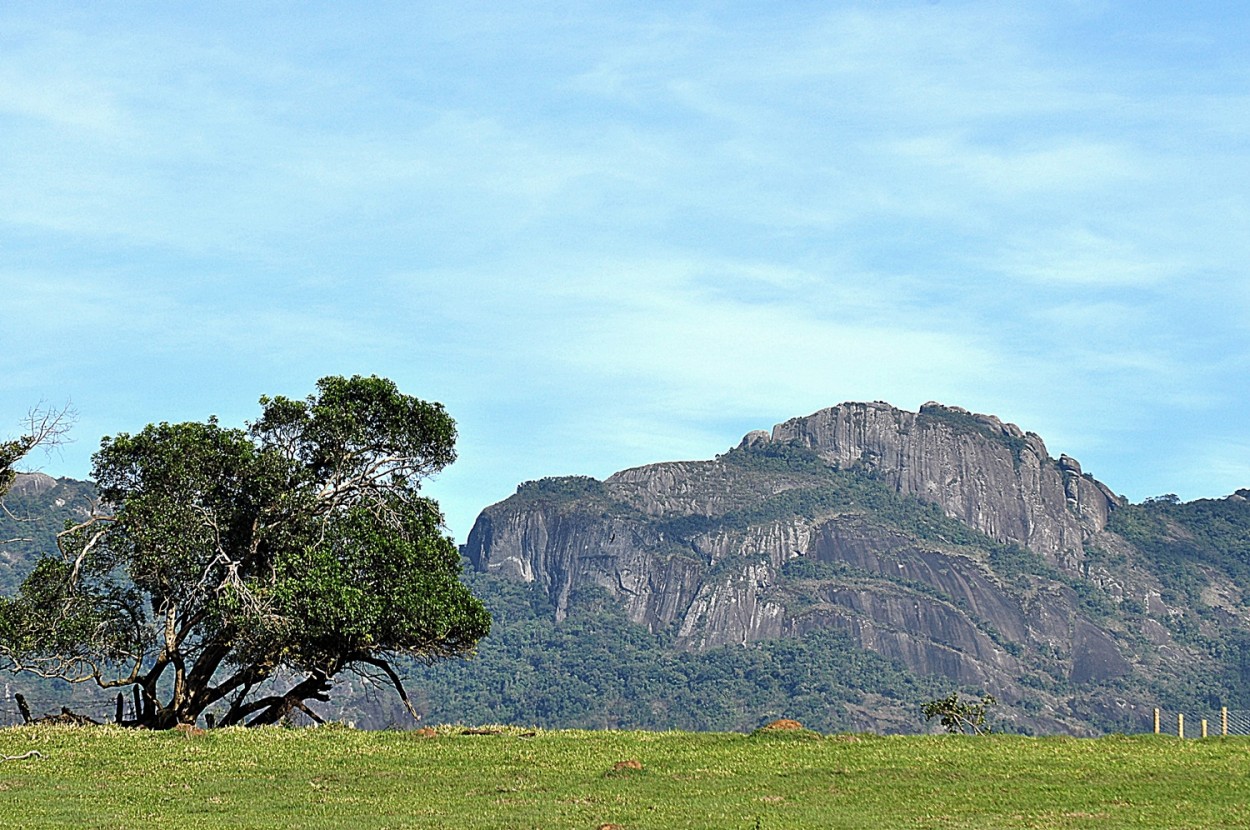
<point x="1082" y="257"/>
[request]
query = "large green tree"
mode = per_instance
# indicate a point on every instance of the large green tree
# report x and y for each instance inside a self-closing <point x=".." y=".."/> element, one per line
<point x="244" y="569"/>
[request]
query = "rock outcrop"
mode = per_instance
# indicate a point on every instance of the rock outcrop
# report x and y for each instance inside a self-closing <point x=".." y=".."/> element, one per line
<point x="993" y="476"/>
<point x="829" y="522"/>
<point x="29" y="485"/>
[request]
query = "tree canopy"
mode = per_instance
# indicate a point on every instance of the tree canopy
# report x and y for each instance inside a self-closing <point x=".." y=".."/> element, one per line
<point x="243" y="569"/>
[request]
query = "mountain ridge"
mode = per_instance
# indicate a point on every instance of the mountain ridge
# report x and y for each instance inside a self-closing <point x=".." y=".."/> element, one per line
<point x="949" y="542"/>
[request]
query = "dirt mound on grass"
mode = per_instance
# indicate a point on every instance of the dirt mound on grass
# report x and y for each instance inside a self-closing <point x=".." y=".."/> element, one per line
<point x="624" y="768"/>
<point x="786" y="728"/>
<point x="783" y="725"/>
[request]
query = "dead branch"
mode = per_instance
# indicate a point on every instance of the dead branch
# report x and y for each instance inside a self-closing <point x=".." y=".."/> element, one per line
<point x="378" y="662"/>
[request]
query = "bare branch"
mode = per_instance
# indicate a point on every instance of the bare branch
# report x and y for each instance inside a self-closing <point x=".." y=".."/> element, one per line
<point x="303" y="707"/>
<point x="91" y="521"/>
<point x="379" y="663"/>
<point x="47" y="427"/>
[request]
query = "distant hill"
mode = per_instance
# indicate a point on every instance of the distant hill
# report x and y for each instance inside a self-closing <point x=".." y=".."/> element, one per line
<point x="34" y="511"/>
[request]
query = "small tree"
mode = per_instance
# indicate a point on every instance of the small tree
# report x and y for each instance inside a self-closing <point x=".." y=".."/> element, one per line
<point x="236" y="560"/>
<point x="959" y="715"/>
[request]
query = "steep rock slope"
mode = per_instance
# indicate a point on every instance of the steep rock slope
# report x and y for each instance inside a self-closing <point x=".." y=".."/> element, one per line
<point x="993" y="476"/>
<point x="949" y="542"/>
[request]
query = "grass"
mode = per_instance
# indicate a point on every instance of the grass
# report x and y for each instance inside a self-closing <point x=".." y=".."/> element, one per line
<point x="334" y="777"/>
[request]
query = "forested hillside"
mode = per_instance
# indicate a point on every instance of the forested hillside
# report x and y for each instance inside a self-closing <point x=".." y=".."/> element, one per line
<point x="34" y="511"/>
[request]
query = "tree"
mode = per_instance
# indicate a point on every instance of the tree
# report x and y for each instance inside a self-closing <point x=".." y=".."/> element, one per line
<point x="244" y="569"/>
<point x="959" y="715"/>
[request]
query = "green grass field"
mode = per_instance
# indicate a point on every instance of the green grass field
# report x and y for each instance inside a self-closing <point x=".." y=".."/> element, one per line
<point x="335" y="777"/>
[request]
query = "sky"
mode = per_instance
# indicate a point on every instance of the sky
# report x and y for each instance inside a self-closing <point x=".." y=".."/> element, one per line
<point x="610" y="234"/>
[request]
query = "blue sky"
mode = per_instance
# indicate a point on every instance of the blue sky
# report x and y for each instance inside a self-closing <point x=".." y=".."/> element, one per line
<point x="609" y="234"/>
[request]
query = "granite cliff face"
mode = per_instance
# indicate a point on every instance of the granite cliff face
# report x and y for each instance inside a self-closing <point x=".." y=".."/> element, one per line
<point x="949" y="542"/>
<point x="992" y="476"/>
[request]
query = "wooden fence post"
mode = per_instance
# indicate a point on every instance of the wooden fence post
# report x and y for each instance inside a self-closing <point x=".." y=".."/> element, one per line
<point x="121" y="706"/>
<point x="22" y="707"/>
<point x="1156" y="721"/>
<point x="1224" y="721"/>
<point x="1180" y="724"/>
<point x="1204" y="727"/>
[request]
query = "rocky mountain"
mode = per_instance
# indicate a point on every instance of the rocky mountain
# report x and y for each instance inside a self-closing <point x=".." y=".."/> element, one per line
<point x="951" y="544"/>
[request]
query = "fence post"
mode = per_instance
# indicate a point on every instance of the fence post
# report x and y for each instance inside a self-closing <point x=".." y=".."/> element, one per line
<point x="22" y="707"/>
<point x="1180" y="724"/>
<point x="1204" y="727"/>
<point x="1224" y="721"/>
<point x="1156" y="720"/>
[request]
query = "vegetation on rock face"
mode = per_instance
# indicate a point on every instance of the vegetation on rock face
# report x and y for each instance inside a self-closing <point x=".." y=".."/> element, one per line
<point x="596" y="669"/>
<point x="964" y="421"/>
<point x="559" y="488"/>
<point x="233" y="560"/>
<point x="1200" y="551"/>
<point x="1183" y="539"/>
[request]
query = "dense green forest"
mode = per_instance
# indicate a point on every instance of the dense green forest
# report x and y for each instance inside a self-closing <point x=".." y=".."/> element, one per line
<point x="596" y="669"/>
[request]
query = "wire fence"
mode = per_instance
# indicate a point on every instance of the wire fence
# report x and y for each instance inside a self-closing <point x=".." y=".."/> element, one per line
<point x="1202" y="724"/>
<point x="96" y="707"/>
<point x="1195" y="724"/>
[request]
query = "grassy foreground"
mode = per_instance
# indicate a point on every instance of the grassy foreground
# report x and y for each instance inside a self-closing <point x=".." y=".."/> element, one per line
<point x="333" y="777"/>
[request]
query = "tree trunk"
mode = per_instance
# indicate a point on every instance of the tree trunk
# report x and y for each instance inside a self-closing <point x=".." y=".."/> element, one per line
<point x="315" y="687"/>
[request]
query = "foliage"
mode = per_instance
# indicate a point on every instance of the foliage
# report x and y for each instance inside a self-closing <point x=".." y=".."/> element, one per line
<point x="11" y="452"/>
<point x="957" y="715"/>
<point x="1181" y="538"/>
<point x="776" y="456"/>
<point x="289" y="552"/>
<point x="1017" y="564"/>
<point x="969" y="424"/>
<point x="560" y="488"/>
<point x="338" y="778"/>
<point x="1190" y="545"/>
<point x="595" y="668"/>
